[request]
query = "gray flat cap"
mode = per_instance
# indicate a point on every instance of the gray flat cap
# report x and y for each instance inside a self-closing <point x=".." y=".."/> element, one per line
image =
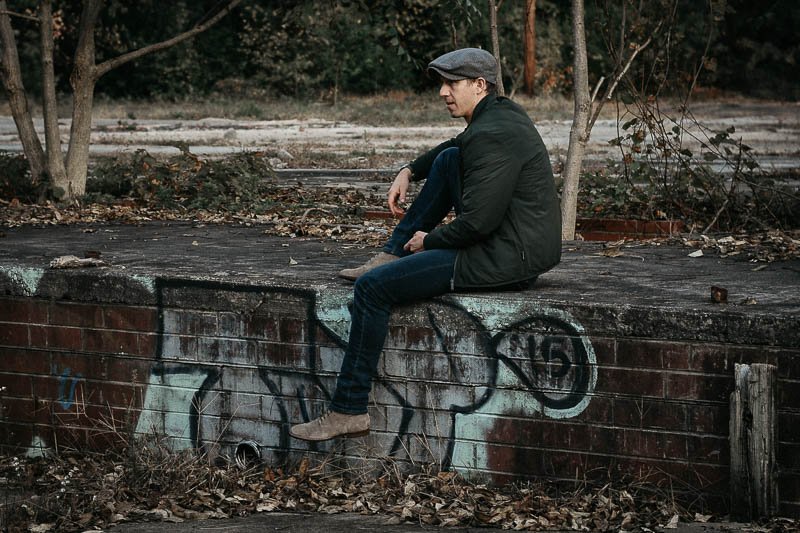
<point x="466" y="63"/>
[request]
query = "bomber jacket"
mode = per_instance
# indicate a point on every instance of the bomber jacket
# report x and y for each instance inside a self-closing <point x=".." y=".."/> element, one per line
<point x="509" y="229"/>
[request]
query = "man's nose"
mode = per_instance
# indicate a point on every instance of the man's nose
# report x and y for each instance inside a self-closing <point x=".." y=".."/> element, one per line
<point x="444" y="90"/>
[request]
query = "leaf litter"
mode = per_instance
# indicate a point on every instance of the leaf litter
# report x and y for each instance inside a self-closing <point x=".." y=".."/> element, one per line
<point x="72" y="491"/>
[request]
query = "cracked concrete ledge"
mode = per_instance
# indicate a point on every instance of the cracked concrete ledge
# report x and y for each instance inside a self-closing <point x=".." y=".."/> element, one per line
<point x="645" y="292"/>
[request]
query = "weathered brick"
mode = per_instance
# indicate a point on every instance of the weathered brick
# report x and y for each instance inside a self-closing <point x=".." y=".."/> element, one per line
<point x="14" y="334"/>
<point x="281" y="355"/>
<point x="438" y="395"/>
<point x="698" y="387"/>
<point x="231" y="325"/>
<point x="788" y="364"/>
<point x="113" y="394"/>
<point x="652" y="354"/>
<point x="16" y="385"/>
<point x="75" y="314"/>
<point x="605" y="350"/>
<point x="90" y="366"/>
<point x="649" y="414"/>
<point x="24" y="360"/>
<point x="227" y="351"/>
<point x="23" y="311"/>
<point x="386" y="392"/>
<point x="788" y="456"/>
<point x="471" y="370"/>
<point x="292" y="330"/>
<point x="64" y="338"/>
<point x="709" y="449"/>
<point x="420" y="338"/>
<point x="600" y="410"/>
<point x="707" y="418"/>
<point x="187" y="322"/>
<point x="606" y="440"/>
<point x="181" y="348"/>
<point x="261" y="326"/>
<point x="649" y="383"/>
<point x="789" y="394"/>
<point x="712" y="359"/>
<point x="111" y="342"/>
<point x="330" y="359"/>
<point x="17" y="410"/>
<point x="146" y="344"/>
<point x="142" y="319"/>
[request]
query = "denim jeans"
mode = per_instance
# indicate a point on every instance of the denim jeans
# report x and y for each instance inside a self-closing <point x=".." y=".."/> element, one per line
<point x="411" y="278"/>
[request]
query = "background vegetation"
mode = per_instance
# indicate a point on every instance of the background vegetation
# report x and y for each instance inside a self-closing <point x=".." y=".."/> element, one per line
<point x="322" y="49"/>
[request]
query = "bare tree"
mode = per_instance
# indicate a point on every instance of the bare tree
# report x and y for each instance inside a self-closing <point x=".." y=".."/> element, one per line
<point x="493" y="7"/>
<point x="529" y="46"/>
<point x="587" y="108"/>
<point x="68" y="175"/>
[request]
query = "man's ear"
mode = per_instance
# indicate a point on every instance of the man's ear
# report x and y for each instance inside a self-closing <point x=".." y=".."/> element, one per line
<point x="481" y="84"/>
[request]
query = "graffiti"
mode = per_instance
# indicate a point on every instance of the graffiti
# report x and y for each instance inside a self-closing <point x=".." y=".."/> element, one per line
<point x="231" y="374"/>
<point x="66" y="387"/>
<point x="243" y="388"/>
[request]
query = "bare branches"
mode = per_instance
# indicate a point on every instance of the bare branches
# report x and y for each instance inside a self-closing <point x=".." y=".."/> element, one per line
<point x="209" y="21"/>
<point x="598" y="106"/>
<point x="18" y="15"/>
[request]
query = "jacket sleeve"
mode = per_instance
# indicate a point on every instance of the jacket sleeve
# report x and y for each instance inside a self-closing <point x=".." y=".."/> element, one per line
<point x="491" y="172"/>
<point x="422" y="165"/>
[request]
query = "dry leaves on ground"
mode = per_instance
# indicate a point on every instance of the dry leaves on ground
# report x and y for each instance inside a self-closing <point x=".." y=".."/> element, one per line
<point x="75" y="492"/>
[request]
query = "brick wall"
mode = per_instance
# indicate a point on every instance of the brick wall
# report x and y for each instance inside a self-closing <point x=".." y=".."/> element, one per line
<point x="500" y="387"/>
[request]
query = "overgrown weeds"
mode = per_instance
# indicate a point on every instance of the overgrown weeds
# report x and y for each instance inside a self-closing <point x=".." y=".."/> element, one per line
<point x="672" y="166"/>
<point x="237" y="183"/>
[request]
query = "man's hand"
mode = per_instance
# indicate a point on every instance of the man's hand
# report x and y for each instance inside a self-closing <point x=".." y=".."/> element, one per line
<point x="416" y="243"/>
<point x="398" y="190"/>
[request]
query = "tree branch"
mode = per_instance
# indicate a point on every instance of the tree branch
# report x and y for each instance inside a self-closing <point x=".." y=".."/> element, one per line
<point x="613" y="86"/>
<point x="106" y="66"/>
<point x="19" y="15"/>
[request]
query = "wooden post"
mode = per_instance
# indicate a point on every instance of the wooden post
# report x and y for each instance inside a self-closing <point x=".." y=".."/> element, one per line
<point x="753" y="430"/>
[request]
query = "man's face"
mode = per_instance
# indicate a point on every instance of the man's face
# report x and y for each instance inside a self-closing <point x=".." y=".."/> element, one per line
<point x="461" y="97"/>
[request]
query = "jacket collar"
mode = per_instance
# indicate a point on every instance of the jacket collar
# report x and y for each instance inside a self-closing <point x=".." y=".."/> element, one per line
<point x="485" y="102"/>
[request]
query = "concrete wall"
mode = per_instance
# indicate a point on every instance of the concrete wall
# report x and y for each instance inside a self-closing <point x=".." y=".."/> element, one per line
<point x="497" y="386"/>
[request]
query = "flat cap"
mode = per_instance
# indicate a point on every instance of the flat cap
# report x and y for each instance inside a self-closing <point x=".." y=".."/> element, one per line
<point x="466" y="63"/>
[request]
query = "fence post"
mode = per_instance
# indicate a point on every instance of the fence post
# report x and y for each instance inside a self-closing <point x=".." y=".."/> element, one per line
<point x="753" y="430"/>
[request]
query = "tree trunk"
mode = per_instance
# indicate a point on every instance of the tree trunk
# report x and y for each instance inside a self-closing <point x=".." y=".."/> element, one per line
<point x="83" y="82"/>
<point x="530" y="46"/>
<point x="52" y="135"/>
<point x="17" y="99"/>
<point x="579" y="133"/>
<point x="496" y="46"/>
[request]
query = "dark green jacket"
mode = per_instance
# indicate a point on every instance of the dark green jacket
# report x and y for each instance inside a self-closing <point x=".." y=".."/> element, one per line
<point x="509" y="229"/>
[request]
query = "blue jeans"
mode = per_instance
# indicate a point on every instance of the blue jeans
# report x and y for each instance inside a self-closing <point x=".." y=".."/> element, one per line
<point x="411" y="278"/>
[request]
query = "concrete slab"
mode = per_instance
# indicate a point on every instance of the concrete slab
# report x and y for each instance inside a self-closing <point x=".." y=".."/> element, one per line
<point x="662" y="277"/>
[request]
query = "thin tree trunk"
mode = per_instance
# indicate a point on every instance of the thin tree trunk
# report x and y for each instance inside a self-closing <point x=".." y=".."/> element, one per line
<point x="17" y="99"/>
<point x="82" y="80"/>
<point x="52" y="135"/>
<point x="496" y="46"/>
<point x="579" y="133"/>
<point x="530" y="46"/>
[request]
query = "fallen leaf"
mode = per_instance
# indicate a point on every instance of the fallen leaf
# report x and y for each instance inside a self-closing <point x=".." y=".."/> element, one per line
<point x="673" y="522"/>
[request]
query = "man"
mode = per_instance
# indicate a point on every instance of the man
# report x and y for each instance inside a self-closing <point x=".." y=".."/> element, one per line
<point x="496" y="175"/>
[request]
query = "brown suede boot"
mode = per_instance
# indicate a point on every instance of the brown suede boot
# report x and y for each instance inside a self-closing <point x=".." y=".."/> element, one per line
<point x="353" y="273"/>
<point x="330" y="425"/>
